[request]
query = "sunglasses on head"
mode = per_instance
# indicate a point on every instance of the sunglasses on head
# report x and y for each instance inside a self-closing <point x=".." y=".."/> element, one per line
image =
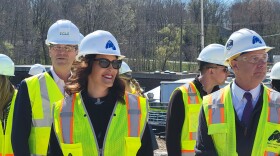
<point x="105" y="63"/>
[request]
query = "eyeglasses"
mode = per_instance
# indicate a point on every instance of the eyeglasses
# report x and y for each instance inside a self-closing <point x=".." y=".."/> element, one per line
<point x="67" y="48"/>
<point x="105" y="63"/>
<point x="225" y="69"/>
<point x="256" y="58"/>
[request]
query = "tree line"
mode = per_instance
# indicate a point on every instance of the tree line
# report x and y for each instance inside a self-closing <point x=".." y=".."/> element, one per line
<point x="152" y="34"/>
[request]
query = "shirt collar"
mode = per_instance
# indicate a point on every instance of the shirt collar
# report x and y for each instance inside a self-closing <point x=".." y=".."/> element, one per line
<point x="55" y="77"/>
<point x="240" y="92"/>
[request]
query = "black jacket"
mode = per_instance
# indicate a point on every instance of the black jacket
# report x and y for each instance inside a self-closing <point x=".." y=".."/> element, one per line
<point x="176" y="117"/>
<point x="22" y="121"/>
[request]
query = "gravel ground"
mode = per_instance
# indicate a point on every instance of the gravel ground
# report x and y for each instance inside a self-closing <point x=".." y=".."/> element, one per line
<point x="161" y="151"/>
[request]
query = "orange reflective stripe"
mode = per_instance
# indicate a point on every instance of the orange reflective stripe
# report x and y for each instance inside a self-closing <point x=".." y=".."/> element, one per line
<point x="66" y="118"/>
<point x="72" y="120"/>
<point x="60" y="119"/>
<point x="189" y="99"/>
<point x="128" y="115"/>
<point x="134" y="114"/>
<point x="222" y="108"/>
<point x="192" y="96"/>
<point x="274" y="107"/>
<point x="187" y="151"/>
<point x="210" y="110"/>
<point x="193" y="90"/>
<point x="216" y="107"/>
<point x="8" y="155"/>
<point x="190" y="135"/>
<point x="266" y="153"/>
<point x="268" y="112"/>
<point x="140" y="115"/>
<point x="222" y="114"/>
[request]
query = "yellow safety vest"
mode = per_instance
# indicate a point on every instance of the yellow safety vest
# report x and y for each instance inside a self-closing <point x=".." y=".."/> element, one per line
<point x="192" y="105"/>
<point x="5" y="139"/>
<point x="220" y="117"/>
<point x="76" y="135"/>
<point x="43" y="93"/>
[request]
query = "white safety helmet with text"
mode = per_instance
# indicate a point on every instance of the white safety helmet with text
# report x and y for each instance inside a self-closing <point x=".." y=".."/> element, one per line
<point x="99" y="42"/>
<point x="63" y="32"/>
<point x="124" y="68"/>
<point x="213" y="53"/>
<point x="275" y="71"/>
<point x="36" y="69"/>
<point x="244" y="40"/>
<point x="7" y="66"/>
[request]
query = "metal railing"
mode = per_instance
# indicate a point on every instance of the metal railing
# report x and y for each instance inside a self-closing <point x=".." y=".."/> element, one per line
<point x="157" y="117"/>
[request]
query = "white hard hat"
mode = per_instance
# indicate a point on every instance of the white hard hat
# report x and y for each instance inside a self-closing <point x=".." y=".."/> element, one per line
<point x="36" y="69"/>
<point x="275" y="71"/>
<point x="244" y="40"/>
<point x="63" y="32"/>
<point x="213" y="53"/>
<point x="99" y="42"/>
<point x="81" y="37"/>
<point x="124" y="68"/>
<point x="7" y="66"/>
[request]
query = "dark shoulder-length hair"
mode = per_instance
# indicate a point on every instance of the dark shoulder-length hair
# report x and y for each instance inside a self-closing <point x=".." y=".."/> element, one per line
<point x="79" y="79"/>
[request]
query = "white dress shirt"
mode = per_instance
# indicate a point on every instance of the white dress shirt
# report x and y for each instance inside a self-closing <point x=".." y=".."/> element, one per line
<point x="239" y="101"/>
<point x="60" y="83"/>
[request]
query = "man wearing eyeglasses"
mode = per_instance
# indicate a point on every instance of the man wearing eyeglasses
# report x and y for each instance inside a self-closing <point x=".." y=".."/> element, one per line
<point x="243" y="117"/>
<point x="33" y="107"/>
<point x="185" y="102"/>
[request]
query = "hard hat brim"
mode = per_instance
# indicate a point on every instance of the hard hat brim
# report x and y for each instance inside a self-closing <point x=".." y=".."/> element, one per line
<point x="78" y="57"/>
<point x="4" y="74"/>
<point x="64" y="43"/>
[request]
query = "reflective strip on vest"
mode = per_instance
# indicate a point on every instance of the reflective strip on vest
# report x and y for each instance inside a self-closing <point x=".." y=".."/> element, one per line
<point x="187" y="154"/>
<point x="192" y="99"/>
<point x="270" y="154"/>
<point x="216" y="108"/>
<point x="191" y="92"/>
<point x="66" y="118"/>
<point x="273" y="110"/>
<point x="224" y="133"/>
<point x="134" y="115"/>
<point x="46" y="121"/>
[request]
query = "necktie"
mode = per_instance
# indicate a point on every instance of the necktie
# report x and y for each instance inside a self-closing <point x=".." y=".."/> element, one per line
<point x="248" y="108"/>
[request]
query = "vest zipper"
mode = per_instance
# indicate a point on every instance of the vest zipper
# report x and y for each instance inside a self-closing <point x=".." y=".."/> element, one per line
<point x="100" y="152"/>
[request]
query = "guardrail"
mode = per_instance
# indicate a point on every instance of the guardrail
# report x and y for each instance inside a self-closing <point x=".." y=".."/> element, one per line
<point x="157" y="117"/>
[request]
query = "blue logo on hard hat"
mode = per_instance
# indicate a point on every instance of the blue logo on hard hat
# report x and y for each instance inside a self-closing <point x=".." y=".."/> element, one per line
<point x="229" y="44"/>
<point x="256" y="40"/>
<point x="110" y="44"/>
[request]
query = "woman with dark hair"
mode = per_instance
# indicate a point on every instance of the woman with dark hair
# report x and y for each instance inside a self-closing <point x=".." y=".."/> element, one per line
<point x="7" y="101"/>
<point x="275" y="77"/>
<point x="98" y="118"/>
